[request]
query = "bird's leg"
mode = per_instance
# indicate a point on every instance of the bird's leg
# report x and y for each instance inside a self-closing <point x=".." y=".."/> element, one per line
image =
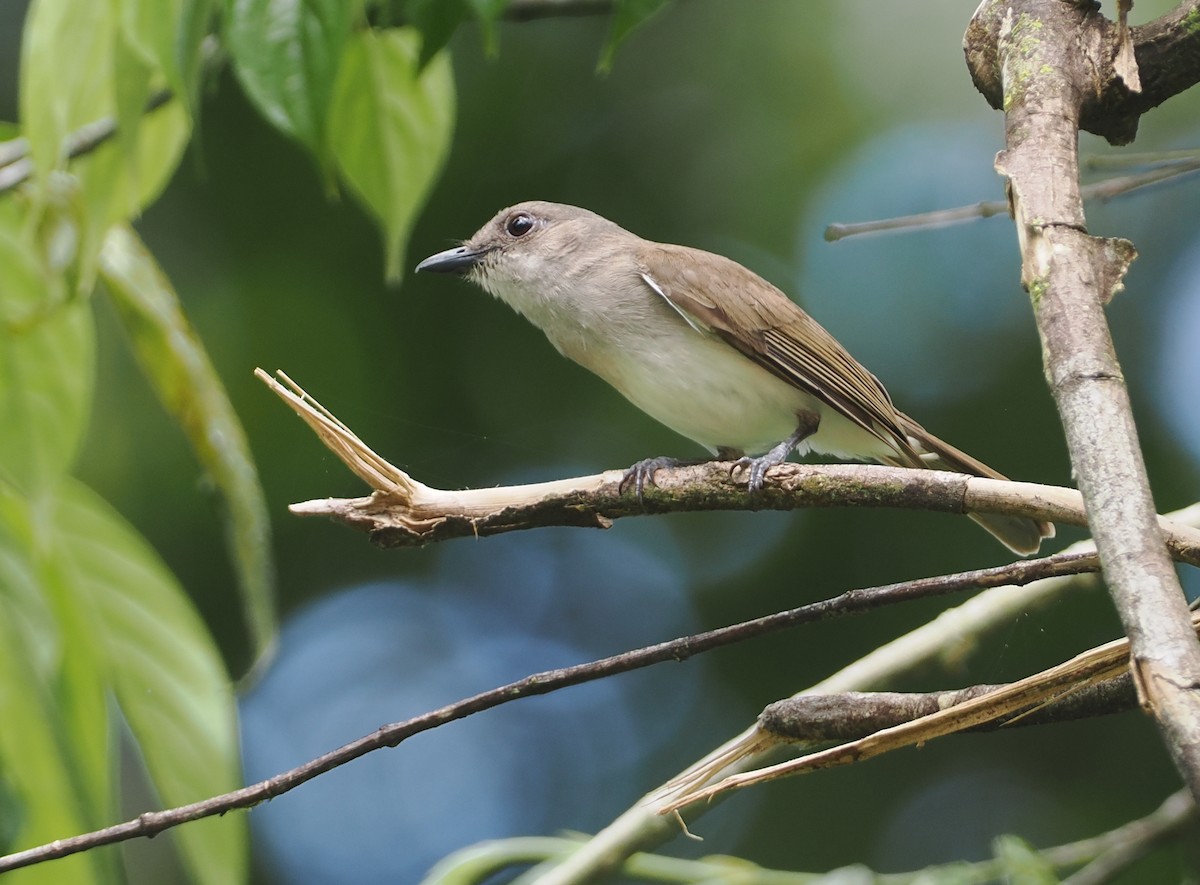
<point x="642" y="472"/>
<point x="759" y="466"/>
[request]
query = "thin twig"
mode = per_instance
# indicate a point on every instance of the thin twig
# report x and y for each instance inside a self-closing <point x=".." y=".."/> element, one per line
<point x="1112" y="852"/>
<point x="642" y="825"/>
<point x="1166" y="169"/>
<point x="1125" y="844"/>
<point x="15" y="166"/>
<point x="851" y="602"/>
<point x="1091" y="667"/>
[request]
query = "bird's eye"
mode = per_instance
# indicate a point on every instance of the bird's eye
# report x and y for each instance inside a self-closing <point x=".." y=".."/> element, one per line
<point x="519" y="224"/>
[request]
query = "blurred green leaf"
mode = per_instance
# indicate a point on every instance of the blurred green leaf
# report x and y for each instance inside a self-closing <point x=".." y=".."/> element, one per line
<point x="132" y="70"/>
<point x="391" y="123"/>
<point x="178" y="367"/>
<point x="437" y="20"/>
<point x="66" y="74"/>
<point x="159" y="33"/>
<point x="488" y="12"/>
<point x="184" y="74"/>
<point x="46" y="376"/>
<point x="37" y="771"/>
<point x="286" y="54"/>
<point x="54" y="743"/>
<point x="1021" y="863"/>
<point x="24" y="292"/>
<point x="152" y="39"/>
<point x="163" y="668"/>
<point x="82" y="65"/>
<point x="628" y="16"/>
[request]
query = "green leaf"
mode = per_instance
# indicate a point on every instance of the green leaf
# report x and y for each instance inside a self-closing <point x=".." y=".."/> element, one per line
<point x="46" y="375"/>
<point x="437" y="21"/>
<point x="85" y="64"/>
<point x="1019" y="862"/>
<point x="118" y="184"/>
<point x="184" y="74"/>
<point x="178" y="367"/>
<point x="286" y="54"/>
<point x="152" y="29"/>
<point x="132" y="70"/>
<point x="66" y="75"/>
<point x="53" y="747"/>
<point x="628" y="16"/>
<point x="24" y="290"/>
<point x="488" y="12"/>
<point x="390" y="128"/>
<point x="163" y="668"/>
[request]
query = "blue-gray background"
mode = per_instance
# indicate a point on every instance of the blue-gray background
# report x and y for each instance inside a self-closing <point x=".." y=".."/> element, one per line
<point x="741" y="128"/>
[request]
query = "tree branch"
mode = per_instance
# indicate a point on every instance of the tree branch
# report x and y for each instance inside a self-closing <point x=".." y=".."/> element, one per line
<point x="853" y="715"/>
<point x="1163" y="170"/>
<point x="1094" y="666"/>
<point x="1110" y="853"/>
<point x="1053" y="58"/>
<point x="851" y="602"/>
<point x="1167" y="53"/>
<point x="403" y="512"/>
<point x="16" y="167"/>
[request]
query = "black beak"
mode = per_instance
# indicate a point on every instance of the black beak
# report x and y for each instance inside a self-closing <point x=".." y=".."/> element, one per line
<point x="457" y="260"/>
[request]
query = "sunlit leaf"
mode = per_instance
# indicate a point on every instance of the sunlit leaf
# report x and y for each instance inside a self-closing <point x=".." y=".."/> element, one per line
<point x="390" y="127"/>
<point x="286" y="54"/>
<point x="627" y="16"/>
<point x="164" y="671"/>
<point x="177" y="365"/>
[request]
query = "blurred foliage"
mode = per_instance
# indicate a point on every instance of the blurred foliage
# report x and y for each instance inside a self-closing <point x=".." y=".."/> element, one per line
<point x="743" y="130"/>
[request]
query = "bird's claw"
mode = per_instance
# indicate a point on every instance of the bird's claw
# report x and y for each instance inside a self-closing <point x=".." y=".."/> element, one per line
<point x="642" y="473"/>
<point x="757" y="469"/>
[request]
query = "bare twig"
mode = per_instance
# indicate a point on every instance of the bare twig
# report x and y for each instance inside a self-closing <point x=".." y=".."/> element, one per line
<point x="1094" y="666"/>
<point x="15" y="166"/>
<point x="1125" y="844"/>
<point x="851" y="602"/>
<point x="1052" y="61"/>
<point x="1114" y="851"/>
<point x="1164" y="170"/>
<point x="405" y="512"/>
<point x="641" y="825"/>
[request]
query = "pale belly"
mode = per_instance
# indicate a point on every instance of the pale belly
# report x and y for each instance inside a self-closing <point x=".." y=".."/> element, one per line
<point x="707" y="391"/>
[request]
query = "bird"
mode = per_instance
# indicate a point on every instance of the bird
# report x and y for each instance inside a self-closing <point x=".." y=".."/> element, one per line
<point x="705" y="346"/>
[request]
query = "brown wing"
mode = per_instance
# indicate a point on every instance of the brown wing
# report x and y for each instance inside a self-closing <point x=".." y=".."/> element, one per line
<point x="757" y="319"/>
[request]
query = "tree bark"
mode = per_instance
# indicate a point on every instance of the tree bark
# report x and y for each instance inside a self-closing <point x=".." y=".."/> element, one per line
<point x="1054" y="63"/>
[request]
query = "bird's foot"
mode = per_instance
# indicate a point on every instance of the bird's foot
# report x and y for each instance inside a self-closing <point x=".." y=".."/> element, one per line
<point x="757" y="467"/>
<point x="642" y="473"/>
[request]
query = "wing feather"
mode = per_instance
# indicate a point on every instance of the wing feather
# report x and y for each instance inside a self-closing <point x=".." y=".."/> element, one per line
<point x="765" y="325"/>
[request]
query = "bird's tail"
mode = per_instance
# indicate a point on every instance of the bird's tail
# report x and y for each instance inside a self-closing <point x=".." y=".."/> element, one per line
<point x="1019" y="534"/>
